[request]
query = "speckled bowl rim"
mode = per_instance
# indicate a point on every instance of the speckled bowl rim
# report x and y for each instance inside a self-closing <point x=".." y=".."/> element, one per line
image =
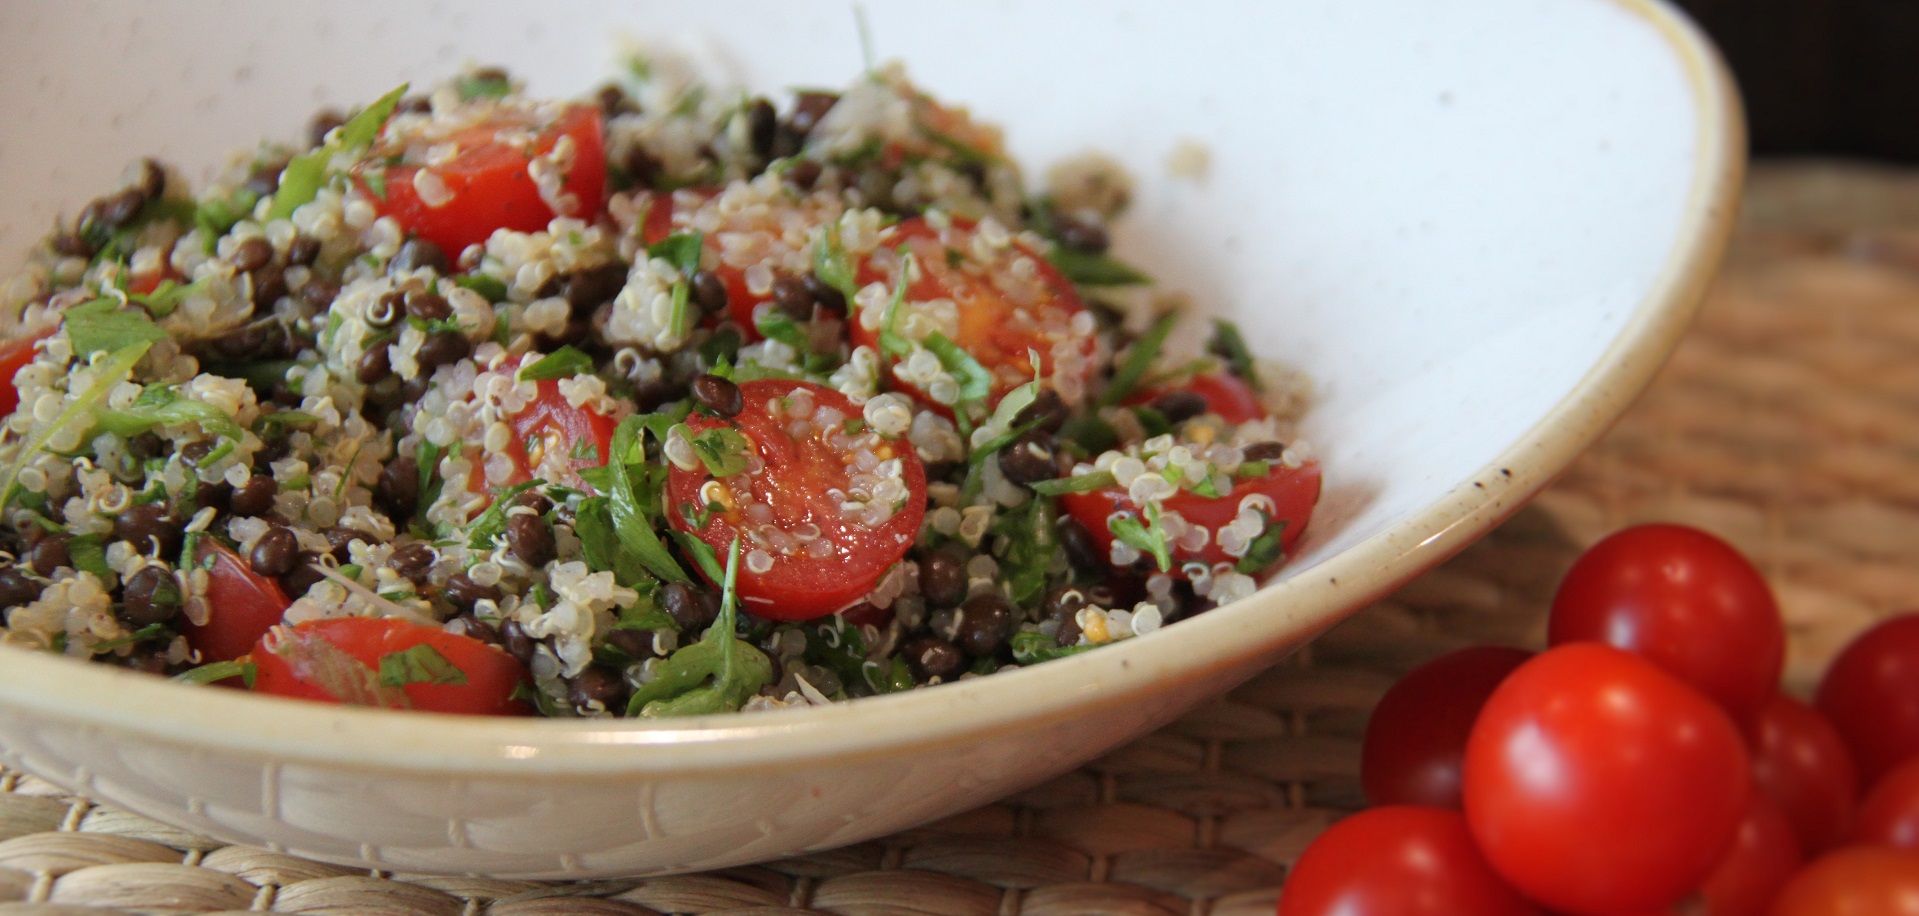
<point x="1284" y="614"/>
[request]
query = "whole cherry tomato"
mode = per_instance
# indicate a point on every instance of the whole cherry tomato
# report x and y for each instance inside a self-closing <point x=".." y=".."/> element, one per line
<point x="1764" y="854"/>
<point x="1597" y="783"/>
<point x="1871" y="694"/>
<point x="1398" y="861"/>
<point x="1416" y="737"/>
<point x="1684" y="599"/>
<point x="823" y="509"/>
<point x="1855" y="881"/>
<point x="241" y="604"/>
<point x="1890" y="814"/>
<point x="391" y="663"/>
<point x="1799" y="760"/>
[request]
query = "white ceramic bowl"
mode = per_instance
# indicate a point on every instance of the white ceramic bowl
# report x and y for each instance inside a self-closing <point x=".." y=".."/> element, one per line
<point x="1480" y="227"/>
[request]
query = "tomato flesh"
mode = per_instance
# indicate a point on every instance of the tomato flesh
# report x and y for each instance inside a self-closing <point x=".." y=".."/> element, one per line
<point x="551" y="426"/>
<point x="14" y="356"/>
<point x="242" y="605"/>
<point x="1293" y="492"/>
<point x="486" y="183"/>
<point x="339" y="660"/>
<point x="1597" y="783"/>
<point x="1398" y="861"/>
<point x="1416" y="738"/>
<point x="814" y="554"/>
<point x="1001" y="312"/>
<point x="1687" y="601"/>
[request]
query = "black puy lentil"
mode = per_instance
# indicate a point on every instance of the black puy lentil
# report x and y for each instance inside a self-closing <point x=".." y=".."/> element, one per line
<point x="16" y="587"/>
<point x="1179" y="406"/>
<point x="718" y="395"/>
<point x="932" y="657"/>
<point x="462" y="592"/>
<point x="150" y="529"/>
<point x="398" y="489"/>
<point x="530" y="538"/>
<point x="1029" y="459"/>
<point x="150" y="596"/>
<point x="692" y="607"/>
<point x="1263" y="451"/>
<point x="943" y="578"/>
<point x="709" y="291"/>
<point x="276" y="552"/>
<point x="304" y="575"/>
<point x="984" y="623"/>
<point x="50" y="553"/>
<point x="255" y="497"/>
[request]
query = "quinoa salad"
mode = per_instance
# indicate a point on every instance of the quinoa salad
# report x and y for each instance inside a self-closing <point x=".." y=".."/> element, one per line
<point x="670" y="399"/>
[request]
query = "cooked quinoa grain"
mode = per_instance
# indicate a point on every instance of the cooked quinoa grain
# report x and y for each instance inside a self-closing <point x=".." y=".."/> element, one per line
<point x="669" y="400"/>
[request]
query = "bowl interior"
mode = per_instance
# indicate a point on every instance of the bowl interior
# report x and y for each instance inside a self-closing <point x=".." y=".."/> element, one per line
<point x="1477" y="227"/>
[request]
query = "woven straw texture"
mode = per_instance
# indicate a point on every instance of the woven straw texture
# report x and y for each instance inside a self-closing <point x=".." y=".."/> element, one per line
<point x="1788" y="422"/>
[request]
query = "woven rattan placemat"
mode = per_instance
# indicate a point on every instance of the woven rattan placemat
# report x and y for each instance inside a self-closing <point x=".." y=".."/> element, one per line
<point x="1787" y="422"/>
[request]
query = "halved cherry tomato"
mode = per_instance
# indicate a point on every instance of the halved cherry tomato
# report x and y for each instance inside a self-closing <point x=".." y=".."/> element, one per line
<point x="487" y="185"/>
<point x="773" y="230"/>
<point x="1003" y="311"/>
<point x="1687" y="601"/>
<point x="1293" y="492"/>
<point x="341" y="660"/>
<point x="14" y="356"/>
<point x="805" y="553"/>
<point x="1597" y="783"/>
<point x="1225" y="394"/>
<point x="1890" y="814"/>
<point x="1856" y="881"/>
<point x="1398" y="861"/>
<point x="241" y="605"/>
<point x="1416" y="737"/>
<point x="550" y="426"/>
<point x="1871" y="694"/>
<point x="1799" y="760"/>
<point x="1763" y="856"/>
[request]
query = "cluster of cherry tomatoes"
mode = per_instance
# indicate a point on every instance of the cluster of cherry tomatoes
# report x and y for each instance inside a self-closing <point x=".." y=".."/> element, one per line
<point x="1645" y="763"/>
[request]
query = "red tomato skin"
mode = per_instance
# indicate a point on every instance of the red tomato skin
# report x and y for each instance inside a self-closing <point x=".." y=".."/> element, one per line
<point x="1597" y="783"/>
<point x="1684" y="599"/>
<point x="1763" y="856"/>
<point x="1225" y="394"/>
<point x="491" y="674"/>
<point x="1416" y="737"/>
<point x="1800" y="761"/>
<point x="491" y="189"/>
<point x="1889" y="816"/>
<point x="1294" y="492"/>
<point x="1855" y="881"/>
<point x="1398" y="861"/>
<point x="14" y="356"/>
<point x="1871" y="694"/>
<point x="242" y="605"/>
<point x="802" y="588"/>
<point x="986" y="330"/>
